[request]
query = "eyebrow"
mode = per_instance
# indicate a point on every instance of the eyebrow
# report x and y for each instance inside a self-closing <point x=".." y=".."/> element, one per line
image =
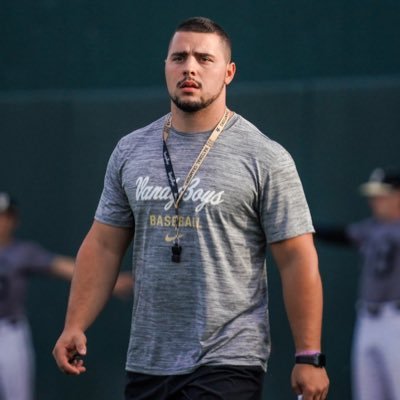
<point x="196" y="53"/>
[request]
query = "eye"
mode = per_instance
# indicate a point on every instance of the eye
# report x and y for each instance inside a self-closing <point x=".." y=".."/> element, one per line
<point x="178" y="58"/>
<point x="205" y="59"/>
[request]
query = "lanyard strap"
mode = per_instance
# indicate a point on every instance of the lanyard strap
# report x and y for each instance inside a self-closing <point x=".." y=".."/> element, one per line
<point x="199" y="160"/>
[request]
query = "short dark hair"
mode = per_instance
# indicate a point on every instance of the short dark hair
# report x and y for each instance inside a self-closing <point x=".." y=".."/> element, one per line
<point x="205" y="25"/>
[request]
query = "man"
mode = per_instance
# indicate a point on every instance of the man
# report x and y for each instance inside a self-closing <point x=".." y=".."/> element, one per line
<point x="200" y="228"/>
<point x="376" y="348"/>
<point x="19" y="259"/>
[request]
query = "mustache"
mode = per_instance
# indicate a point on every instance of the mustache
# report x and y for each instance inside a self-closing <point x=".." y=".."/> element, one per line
<point x="182" y="83"/>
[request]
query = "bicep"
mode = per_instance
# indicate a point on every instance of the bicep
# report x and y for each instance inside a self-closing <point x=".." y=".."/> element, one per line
<point x="107" y="238"/>
<point x="296" y="251"/>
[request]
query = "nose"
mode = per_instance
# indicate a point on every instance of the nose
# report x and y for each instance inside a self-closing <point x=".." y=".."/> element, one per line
<point x="190" y="66"/>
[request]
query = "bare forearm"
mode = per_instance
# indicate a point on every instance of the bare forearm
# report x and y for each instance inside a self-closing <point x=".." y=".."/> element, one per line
<point x="91" y="286"/>
<point x="95" y="274"/>
<point x="302" y="291"/>
<point x="96" y="271"/>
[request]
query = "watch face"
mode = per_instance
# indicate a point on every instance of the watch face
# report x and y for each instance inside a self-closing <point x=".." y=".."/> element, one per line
<point x="318" y="360"/>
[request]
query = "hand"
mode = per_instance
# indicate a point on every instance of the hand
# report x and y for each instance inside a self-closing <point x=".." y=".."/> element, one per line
<point x="310" y="381"/>
<point x="68" y="352"/>
<point x="124" y="285"/>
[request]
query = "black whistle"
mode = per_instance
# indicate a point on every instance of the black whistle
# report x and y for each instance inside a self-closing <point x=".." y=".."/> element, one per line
<point x="176" y="253"/>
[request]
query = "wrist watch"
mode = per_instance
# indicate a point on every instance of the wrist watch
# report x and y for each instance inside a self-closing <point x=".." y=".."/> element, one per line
<point x="317" y="360"/>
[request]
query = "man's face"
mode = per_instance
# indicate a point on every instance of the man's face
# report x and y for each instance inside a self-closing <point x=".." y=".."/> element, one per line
<point x="386" y="206"/>
<point x="197" y="69"/>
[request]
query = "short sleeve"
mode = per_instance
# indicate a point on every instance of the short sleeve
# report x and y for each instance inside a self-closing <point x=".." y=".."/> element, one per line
<point x="114" y="208"/>
<point x="284" y="209"/>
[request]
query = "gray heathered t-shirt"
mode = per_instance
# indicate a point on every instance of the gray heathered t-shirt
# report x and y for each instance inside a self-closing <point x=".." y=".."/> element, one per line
<point x="211" y="308"/>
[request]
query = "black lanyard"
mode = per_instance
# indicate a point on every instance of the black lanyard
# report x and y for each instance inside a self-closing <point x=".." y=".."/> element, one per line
<point x="178" y="195"/>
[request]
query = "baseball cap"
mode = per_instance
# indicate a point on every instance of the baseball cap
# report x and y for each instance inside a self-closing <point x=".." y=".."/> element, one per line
<point x="381" y="181"/>
<point x="6" y="202"/>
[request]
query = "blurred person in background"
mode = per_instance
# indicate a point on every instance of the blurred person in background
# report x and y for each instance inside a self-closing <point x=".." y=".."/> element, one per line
<point x="19" y="260"/>
<point x="376" y="344"/>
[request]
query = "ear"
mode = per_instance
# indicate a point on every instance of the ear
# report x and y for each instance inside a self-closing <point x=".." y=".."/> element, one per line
<point x="230" y="72"/>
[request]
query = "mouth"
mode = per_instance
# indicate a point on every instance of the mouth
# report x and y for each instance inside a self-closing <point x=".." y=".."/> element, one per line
<point x="188" y="84"/>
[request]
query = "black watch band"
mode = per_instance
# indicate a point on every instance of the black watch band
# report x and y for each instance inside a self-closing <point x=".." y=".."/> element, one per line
<point x="317" y="359"/>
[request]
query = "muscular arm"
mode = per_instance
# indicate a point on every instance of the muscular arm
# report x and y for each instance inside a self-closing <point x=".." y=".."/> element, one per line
<point x="302" y="292"/>
<point x="302" y="289"/>
<point x="97" y="266"/>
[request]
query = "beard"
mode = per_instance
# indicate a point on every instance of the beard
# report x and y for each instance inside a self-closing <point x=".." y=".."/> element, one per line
<point x="195" y="105"/>
<point x="192" y="106"/>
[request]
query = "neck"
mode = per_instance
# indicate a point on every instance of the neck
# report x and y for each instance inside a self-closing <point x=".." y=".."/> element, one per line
<point x="199" y="121"/>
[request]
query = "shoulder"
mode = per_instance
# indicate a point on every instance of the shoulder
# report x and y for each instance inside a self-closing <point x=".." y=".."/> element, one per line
<point x="32" y="246"/>
<point x="359" y="229"/>
<point x="139" y="141"/>
<point x="28" y="250"/>
<point x="149" y="132"/>
<point x="367" y="223"/>
<point x="24" y="245"/>
<point x="248" y="137"/>
<point x="246" y="132"/>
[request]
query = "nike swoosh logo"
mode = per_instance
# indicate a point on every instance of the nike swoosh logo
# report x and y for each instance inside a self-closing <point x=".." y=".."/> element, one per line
<point x="172" y="238"/>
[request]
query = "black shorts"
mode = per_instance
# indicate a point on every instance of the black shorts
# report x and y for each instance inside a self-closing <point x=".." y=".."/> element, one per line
<point x="205" y="383"/>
